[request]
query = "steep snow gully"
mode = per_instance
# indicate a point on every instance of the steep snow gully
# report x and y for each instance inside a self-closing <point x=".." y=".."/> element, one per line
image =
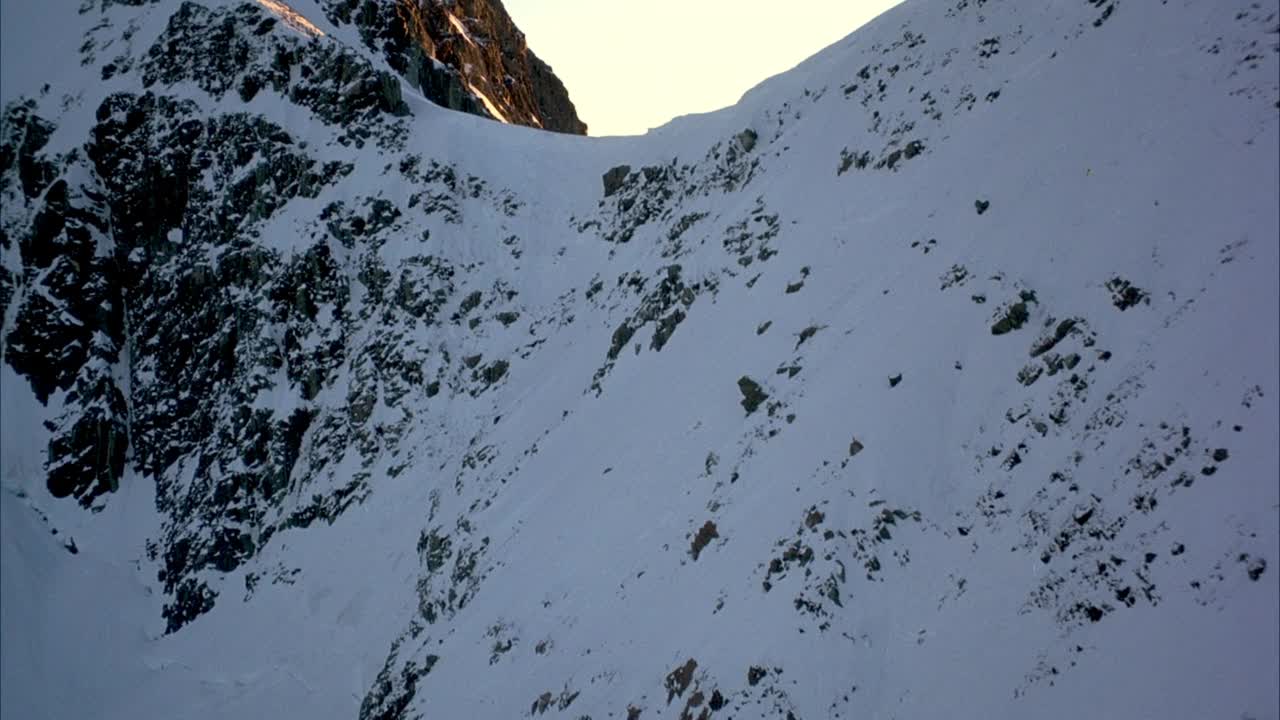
<point x="935" y="379"/>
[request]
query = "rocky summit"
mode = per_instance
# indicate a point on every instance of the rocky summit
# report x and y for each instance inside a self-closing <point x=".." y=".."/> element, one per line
<point x="936" y="378"/>
<point x="463" y="54"/>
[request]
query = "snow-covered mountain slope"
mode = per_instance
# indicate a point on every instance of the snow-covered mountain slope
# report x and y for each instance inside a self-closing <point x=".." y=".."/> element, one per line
<point x="937" y="378"/>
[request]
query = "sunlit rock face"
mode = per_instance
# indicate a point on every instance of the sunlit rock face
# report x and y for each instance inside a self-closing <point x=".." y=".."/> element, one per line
<point x="465" y="55"/>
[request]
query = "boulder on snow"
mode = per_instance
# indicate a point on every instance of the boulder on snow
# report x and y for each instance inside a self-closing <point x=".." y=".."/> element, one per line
<point x="752" y="394"/>
<point x="614" y="179"/>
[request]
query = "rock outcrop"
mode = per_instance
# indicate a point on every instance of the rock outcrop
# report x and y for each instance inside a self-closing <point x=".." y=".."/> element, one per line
<point x="466" y="55"/>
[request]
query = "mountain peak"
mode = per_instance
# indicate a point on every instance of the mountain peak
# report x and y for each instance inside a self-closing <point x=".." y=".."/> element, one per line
<point x="465" y="55"/>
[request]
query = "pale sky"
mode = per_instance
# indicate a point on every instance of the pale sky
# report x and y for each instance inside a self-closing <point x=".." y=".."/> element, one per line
<point x="631" y="65"/>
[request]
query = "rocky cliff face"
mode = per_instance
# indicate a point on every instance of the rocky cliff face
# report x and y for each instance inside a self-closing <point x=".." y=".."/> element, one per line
<point x="465" y="55"/>
<point x="156" y="211"/>
<point x="315" y="403"/>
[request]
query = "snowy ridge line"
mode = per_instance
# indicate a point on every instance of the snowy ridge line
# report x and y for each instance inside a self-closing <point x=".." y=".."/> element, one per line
<point x="292" y="18"/>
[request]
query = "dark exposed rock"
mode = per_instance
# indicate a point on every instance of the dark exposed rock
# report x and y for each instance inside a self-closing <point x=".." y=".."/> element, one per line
<point x="805" y="335"/>
<point x="1125" y="294"/>
<point x="495" y="371"/>
<point x="23" y="134"/>
<point x="221" y="50"/>
<point x="678" y="680"/>
<point x="665" y="305"/>
<point x="87" y="453"/>
<point x="53" y="336"/>
<point x="858" y="160"/>
<point x="614" y="179"/>
<point x="68" y="332"/>
<point x="392" y="692"/>
<point x="704" y="536"/>
<point x="1254" y="566"/>
<point x="1050" y="341"/>
<point x="1029" y="374"/>
<point x="191" y="599"/>
<point x="1014" y="317"/>
<point x="209" y="335"/>
<point x="752" y="394"/>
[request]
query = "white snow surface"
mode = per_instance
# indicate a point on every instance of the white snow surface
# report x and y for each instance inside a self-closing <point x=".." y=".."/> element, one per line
<point x="462" y="29"/>
<point x="1126" y="150"/>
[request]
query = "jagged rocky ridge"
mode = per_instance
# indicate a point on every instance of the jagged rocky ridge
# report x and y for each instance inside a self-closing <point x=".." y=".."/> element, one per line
<point x="465" y="55"/>
<point x="793" y="366"/>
